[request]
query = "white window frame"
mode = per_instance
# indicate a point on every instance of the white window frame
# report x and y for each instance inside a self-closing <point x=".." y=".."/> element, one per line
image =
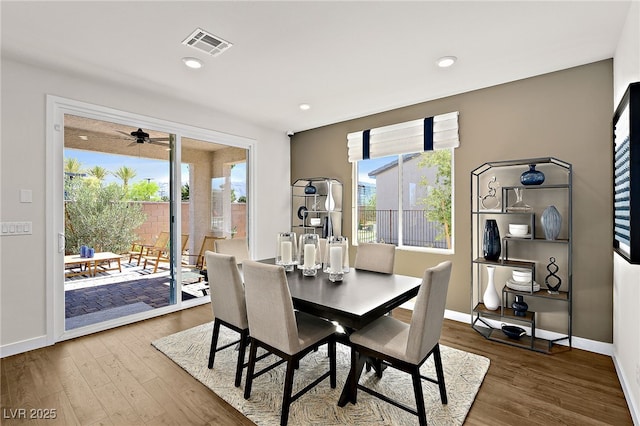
<point x="400" y="245"/>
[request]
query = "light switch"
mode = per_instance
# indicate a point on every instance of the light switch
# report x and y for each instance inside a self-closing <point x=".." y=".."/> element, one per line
<point x="26" y="196"/>
<point x="16" y="228"/>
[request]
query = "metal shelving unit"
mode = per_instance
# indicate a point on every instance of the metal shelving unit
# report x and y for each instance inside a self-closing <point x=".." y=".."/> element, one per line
<point x="531" y="252"/>
<point x="324" y="204"/>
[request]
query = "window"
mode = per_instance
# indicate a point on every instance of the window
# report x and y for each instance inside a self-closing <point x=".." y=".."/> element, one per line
<point x="405" y="199"/>
<point x="403" y="182"/>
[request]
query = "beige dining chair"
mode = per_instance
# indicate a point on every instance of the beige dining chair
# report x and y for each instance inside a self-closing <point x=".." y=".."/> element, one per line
<point x="376" y="257"/>
<point x="407" y="346"/>
<point x="228" y="305"/>
<point x="275" y="326"/>
<point x="237" y="247"/>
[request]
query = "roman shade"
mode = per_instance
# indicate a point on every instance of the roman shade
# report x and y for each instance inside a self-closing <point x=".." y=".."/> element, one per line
<point x="438" y="132"/>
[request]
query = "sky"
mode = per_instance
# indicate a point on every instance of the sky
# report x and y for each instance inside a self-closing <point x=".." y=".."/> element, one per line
<point x="155" y="170"/>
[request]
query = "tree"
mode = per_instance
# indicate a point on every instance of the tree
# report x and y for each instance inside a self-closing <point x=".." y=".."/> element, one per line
<point x="100" y="217"/>
<point x="98" y="172"/>
<point x="437" y="203"/>
<point x="72" y="166"/>
<point x="185" y="192"/>
<point x="125" y="174"/>
<point x="144" y="190"/>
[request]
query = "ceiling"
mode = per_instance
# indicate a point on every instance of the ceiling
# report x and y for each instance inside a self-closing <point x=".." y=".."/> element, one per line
<point x="345" y="59"/>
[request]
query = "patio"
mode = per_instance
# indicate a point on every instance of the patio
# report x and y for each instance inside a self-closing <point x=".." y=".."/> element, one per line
<point x="112" y="294"/>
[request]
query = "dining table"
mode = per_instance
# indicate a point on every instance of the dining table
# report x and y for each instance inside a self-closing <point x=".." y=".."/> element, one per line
<point x="359" y="299"/>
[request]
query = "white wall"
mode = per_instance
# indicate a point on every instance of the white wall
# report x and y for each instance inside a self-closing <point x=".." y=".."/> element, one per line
<point x="626" y="277"/>
<point x="22" y="157"/>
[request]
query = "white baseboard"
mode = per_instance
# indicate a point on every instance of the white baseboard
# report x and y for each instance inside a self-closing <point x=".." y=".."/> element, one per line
<point x="631" y="403"/>
<point x="23" y="346"/>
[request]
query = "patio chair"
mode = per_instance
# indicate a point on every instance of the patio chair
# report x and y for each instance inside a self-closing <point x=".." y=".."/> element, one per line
<point x="208" y="244"/>
<point x="155" y="256"/>
<point x="139" y="249"/>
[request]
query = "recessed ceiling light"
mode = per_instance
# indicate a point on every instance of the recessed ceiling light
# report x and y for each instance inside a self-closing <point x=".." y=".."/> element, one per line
<point x="305" y="107"/>
<point x="83" y="137"/>
<point x="194" y="63"/>
<point x="446" y="61"/>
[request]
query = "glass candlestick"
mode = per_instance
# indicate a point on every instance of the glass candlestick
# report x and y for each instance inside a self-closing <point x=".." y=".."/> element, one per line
<point x="309" y="257"/>
<point x="336" y="258"/>
<point x="287" y="250"/>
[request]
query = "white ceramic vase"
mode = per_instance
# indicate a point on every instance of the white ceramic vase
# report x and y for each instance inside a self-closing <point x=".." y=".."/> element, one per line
<point x="491" y="299"/>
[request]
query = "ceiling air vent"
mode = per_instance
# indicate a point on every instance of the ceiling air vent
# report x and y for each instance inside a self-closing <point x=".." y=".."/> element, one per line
<point x="207" y="42"/>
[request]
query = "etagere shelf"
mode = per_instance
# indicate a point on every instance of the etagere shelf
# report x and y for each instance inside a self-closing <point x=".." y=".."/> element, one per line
<point x="496" y="185"/>
<point x="316" y="206"/>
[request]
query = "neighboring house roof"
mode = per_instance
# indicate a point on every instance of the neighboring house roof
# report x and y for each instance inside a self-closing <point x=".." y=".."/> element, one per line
<point x="392" y="164"/>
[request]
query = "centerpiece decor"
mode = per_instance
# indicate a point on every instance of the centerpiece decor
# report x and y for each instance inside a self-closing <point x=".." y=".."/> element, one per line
<point x="309" y="255"/>
<point x="287" y="250"/>
<point x="336" y="260"/>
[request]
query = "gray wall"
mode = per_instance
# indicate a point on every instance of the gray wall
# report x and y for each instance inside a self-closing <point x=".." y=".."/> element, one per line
<point x="565" y="114"/>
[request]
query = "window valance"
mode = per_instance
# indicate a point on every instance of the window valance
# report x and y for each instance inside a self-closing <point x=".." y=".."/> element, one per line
<point x="438" y="132"/>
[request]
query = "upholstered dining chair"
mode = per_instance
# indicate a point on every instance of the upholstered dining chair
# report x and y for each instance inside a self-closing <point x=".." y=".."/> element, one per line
<point x="284" y="332"/>
<point x="376" y="257"/>
<point x="229" y="306"/>
<point x="407" y="346"/>
<point x="237" y="247"/>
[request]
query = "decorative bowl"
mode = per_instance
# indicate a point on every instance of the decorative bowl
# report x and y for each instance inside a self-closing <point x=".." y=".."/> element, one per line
<point x="513" y="332"/>
<point x="518" y="229"/>
<point x="521" y="275"/>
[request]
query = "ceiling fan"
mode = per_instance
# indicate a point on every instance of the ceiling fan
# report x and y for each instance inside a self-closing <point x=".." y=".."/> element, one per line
<point x="141" y="137"/>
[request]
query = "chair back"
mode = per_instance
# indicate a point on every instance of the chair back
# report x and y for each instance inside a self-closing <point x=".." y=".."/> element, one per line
<point x="237" y="247"/>
<point x="376" y="257"/>
<point x="208" y="244"/>
<point x="269" y="306"/>
<point x="162" y="241"/>
<point x="428" y="312"/>
<point x="227" y="291"/>
<point x="184" y="239"/>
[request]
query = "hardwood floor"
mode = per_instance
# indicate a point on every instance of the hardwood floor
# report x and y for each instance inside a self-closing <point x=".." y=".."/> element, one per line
<point x="117" y="378"/>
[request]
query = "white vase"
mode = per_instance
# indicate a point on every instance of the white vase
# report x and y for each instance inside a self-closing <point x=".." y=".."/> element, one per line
<point x="491" y="298"/>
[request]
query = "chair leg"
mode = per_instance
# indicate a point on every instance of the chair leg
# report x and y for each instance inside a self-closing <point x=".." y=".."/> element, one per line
<point x="417" y="390"/>
<point x="440" y="373"/>
<point x="214" y="342"/>
<point x="332" y="362"/>
<point x="288" y="387"/>
<point x="250" y="368"/>
<point x="241" y="349"/>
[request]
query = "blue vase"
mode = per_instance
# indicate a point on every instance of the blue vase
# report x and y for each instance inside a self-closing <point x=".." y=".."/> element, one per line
<point x="491" y="240"/>
<point x="532" y="176"/>
<point x="551" y="221"/>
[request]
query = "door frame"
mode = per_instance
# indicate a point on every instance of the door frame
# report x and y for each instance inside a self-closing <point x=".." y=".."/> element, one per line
<point x="57" y="107"/>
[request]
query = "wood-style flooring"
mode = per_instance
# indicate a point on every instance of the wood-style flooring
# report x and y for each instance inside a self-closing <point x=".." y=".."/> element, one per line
<point x="117" y="378"/>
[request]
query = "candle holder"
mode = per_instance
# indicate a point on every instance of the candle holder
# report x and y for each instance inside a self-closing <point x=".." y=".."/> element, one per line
<point x="287" y="250"/>
<point x="309" y="255"/>
<point x="336" y="258"/>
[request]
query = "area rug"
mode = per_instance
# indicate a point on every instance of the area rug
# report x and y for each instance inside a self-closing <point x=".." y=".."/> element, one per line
<point x="463" y="372"/>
